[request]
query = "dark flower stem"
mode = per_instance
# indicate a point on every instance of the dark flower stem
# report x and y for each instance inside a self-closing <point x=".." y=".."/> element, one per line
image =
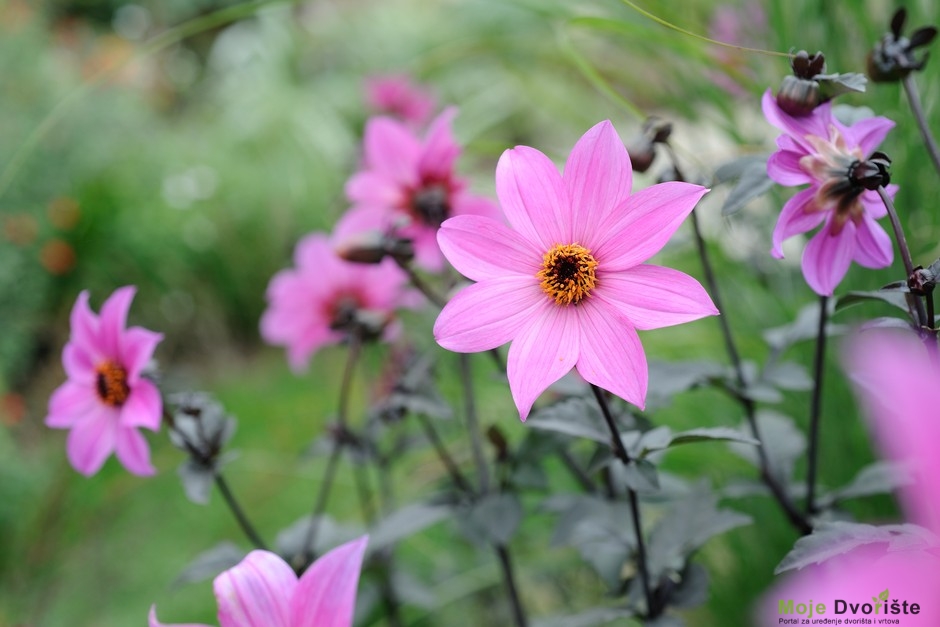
<point x="220" y="483"/>
<point x="421" y="285"/>
<point x="505" y="563"/>
<point x="452" y="469"/>
<point x="577" y="472"/>
<point x="750" y="409"/>
<point x="905" y="252"/>
<point x="473" y="425"/>
<point x="913" y="97"/>
<point x="624" y="456"/>
<point x="815" y="406"/>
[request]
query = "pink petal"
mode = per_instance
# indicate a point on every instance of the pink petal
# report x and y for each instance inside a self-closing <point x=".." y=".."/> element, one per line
<point x="133" y="452"/>
<point x="867" y="134"/>
<point x="466" y="204"/>
<point x="817" y="123"/>
<point x="481" y="248"/>
<point x="364" y="219"/>
<point x="651" y="297"/>
<point x="312" y="340"/>
<point x="489" y="314"/>
<point x="256" y="592"/>
<point x="374" y="190"/>
<point x="784" y="168"/>
<point x="144" y="406"/>
<point x="873" y="204"/>
<point x="875" y="249"/>
<point x="84" y="326"/>
<point x="391" y="150"/>
<point x="70" y="403"/>
<point x="424" y="239"/>
<point x="645" y="223"/>
<point x="533" y="197"/>
<point x="153" y="622"/>
<point x="612" y="357"/>
<point x="92" y="440"/>
<point x="542" y="352"/>
<point x="440" y="148"/>
<point x="137" y="347"/>
<point x="598" y="177"/>
<point x="79" y="363"/>
<point x="827" y="257"/>
<point x="799" y="215"/>
<point x="326" y="593"/>
<point x="114" y="320"/>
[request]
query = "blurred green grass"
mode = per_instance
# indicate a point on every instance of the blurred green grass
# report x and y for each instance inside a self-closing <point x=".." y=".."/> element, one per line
<point x="195" y="170"/>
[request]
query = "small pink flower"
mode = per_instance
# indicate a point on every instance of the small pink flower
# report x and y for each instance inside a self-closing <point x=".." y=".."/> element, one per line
<point x="317" y="302"/>
<point x="409" y="186"/>
<point x="263" y="591"/>
<point x="106" y="400"/>
<point x="819" y="150"/>
<point x="397" y="96"/>
<point x="566" y="284"/>
<point x="894" y="378"/>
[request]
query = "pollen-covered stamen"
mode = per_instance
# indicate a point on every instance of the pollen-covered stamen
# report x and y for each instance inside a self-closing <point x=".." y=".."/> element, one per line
<point x="431" y="204"/>
<point x="111" y="383"/>
<point x="568" y="273"/>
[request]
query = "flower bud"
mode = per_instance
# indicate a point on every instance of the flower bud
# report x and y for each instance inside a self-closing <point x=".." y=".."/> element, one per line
<point x="893" y="56"/>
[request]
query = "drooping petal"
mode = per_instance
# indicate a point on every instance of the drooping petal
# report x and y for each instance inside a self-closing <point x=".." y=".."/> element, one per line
<point x="113" y="320"/>
<point x="137" y="347"/>
<point x="144" y="406"/>
<point x="92" y="440"/>
<point x="542" y="352"/>
<point x="598" y="176"/>
<point x="489" y="314"/>
<point x="481" y="248"/>
<point x="873" y="245"/>
<point x="799" y="215"/>
<point x="868" y="134"/>
<point x="391" y="150"/>
<point x="651" y="297"/>
<point x="817" y="123"/>
<point x="256" y="592"/>
<point x="70" y="403"/>
<point x="533" y="196"/>
<point x="611" y="356"/>
<point x="646" y="222"/>
<point x="133" y="452"/>
<point x="440" y="148"/>
<point x="326" y="593"/>
<point x="153" y="622"/>
<point x="784" y="168"/>
<point x="827" y="257"/>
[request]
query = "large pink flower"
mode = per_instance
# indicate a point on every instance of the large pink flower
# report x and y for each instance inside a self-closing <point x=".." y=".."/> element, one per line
<point x="817" y="149"/>
<point x="263" y="591"/>
<point x="397" y="96"/>
<point x="409" y="187"/>
<point x="894" y="378"/>
<point x="106" y="400"/>
<point x="317" y="302"/>
<point x="567" y="283"/>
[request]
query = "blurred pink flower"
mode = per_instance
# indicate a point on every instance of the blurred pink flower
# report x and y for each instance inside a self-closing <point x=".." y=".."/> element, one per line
<point x="819" y="150"/>
<point x="263" y="591"/>
<point x="409" y="186"/>
<point x="566" y="284"/>
<point x="892" y="373"/>
<point x="398" y="96"/>
<point x="317" y="302"/>
<point x="106" y="400"/>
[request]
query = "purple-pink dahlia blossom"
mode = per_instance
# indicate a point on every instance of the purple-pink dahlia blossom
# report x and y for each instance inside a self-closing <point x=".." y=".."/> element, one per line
<point x="566" y="282"/>
<point x="396" y="95"/>
<point x="819" y="150"/>
<point x="263" y="591"/>
<point x="409" y="187"/>
<point x="105" y="400"/>
<point x="893" y="377"/>
<point x="323" y="298"/>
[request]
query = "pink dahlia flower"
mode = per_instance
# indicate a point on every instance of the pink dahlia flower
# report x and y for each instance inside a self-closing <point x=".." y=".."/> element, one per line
<point x="319" y="301"/>
<point x="817" y="149"/>
<point x="566" y="282"/>
<point x="106" y="400"/>
<point x="263" y="591"/>
<point x="398" y="96"/>
<point x="408" y="186"/>
<point x="892" y="374"/>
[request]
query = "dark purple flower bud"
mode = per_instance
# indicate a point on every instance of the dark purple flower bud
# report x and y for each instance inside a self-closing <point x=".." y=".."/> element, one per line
<point x="642" y="148"/>
<point x="894" y="56"/>
<point x="373" y="247"/>
<point x="810" y="86"/>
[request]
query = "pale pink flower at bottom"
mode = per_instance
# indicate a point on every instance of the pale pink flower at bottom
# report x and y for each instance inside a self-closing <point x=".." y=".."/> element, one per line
<point x="263" y="591"/>
<point x="106" y="401"/>
<point x="566" y="283"/>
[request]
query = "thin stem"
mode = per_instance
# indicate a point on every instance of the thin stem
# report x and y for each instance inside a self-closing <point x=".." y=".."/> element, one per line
<point x="576" y="471"/>
<point x="621" y="452"/>
<point x="931" y="314"/>
<point x="905" y="251"/>
<point x="913" y="97"/>
<point x="456" y="476"/>
<point x="816" y="405"/>
<point x="421" y="285"/>
<point x="238" y="512"/>
<point x="750" y="409"/>
<point x="473" y="425"/>
<point x="505" y="563"/>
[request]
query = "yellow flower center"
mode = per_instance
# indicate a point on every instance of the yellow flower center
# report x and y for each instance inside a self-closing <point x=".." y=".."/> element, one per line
<point x="568" y="273"/>
<point x="112" y="383"/>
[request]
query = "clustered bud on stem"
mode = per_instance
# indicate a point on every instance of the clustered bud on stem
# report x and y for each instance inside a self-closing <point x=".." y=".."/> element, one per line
<point x="642" y="148"/>
<point x="893" y="56"/>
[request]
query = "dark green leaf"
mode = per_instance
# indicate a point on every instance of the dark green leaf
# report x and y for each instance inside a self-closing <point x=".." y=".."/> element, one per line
<point x="405" y="522"/>
<point x="706" y="434"/>
<point x="877" y="478"/>
<point x="832" y="85"/>
<point x="493" y="519"/>
<point x="752" y="182"/>
<point x="803" y="328"/>
<point x="210" y="563"/>
<point x="895" y="298"/>
<point x="574" y="417"/>
<point x="783" y="442"/>
<point x="666" y="379"/>
<point x="787" y="375"/>
<point x="197" y="480"/>
<point x="735" y="169"/>
<point x="639" y="475"/>
<point x="692" y="590"/>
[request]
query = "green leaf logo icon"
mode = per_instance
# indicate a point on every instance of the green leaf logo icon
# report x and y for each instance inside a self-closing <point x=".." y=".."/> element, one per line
<point x="884" y="595"/>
